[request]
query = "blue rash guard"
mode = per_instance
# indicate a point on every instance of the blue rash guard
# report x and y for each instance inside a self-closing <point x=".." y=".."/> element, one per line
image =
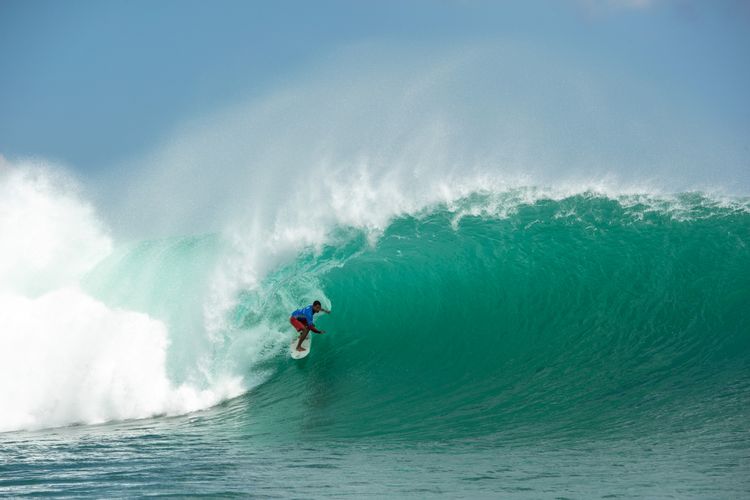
<point x="307" y="314"/>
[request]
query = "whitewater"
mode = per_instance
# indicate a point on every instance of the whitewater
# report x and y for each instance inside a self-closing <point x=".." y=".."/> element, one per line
<point x="506" y="319"/>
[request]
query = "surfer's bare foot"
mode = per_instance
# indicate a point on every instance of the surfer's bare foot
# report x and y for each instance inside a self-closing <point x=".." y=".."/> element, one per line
<point x="300" y="349"/>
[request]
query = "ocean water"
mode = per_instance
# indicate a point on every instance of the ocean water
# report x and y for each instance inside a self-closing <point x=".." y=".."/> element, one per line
<point x="521" y="342"/>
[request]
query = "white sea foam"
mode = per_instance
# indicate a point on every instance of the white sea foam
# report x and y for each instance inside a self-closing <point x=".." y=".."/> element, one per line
<point x="66" y="357"/>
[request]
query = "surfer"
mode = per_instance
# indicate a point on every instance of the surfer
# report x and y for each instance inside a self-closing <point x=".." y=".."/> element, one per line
<point x="302" y="321"/>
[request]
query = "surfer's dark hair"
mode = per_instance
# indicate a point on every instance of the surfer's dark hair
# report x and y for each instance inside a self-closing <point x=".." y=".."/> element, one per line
<point x="316" y="303"/>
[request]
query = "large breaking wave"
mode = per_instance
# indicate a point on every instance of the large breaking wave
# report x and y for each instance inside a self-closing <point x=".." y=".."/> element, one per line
<point x="483" y="312"/>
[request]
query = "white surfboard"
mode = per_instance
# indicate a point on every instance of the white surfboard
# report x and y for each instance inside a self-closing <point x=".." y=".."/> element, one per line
<point x="305" y="345"/>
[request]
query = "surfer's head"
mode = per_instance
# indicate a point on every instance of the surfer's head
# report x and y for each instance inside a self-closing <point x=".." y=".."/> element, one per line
<point x="316" y="306"/>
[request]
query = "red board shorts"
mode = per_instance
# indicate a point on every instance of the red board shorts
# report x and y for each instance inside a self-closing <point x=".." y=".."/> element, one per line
<point x="297" y="324"/>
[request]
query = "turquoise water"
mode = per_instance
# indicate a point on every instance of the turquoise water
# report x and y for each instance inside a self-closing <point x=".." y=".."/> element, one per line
<point x="580" y="347"/>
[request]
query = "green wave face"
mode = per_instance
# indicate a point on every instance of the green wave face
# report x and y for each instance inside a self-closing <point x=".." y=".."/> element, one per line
<point x="584" y="316"/>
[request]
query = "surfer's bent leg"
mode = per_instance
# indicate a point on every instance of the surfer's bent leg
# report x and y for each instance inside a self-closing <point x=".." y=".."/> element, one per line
<point x="303" y="330"/>
<point x="302" y="337"/>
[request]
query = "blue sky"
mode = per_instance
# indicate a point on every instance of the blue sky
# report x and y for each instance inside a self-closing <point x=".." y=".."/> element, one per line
<point x="91" y="84"/>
